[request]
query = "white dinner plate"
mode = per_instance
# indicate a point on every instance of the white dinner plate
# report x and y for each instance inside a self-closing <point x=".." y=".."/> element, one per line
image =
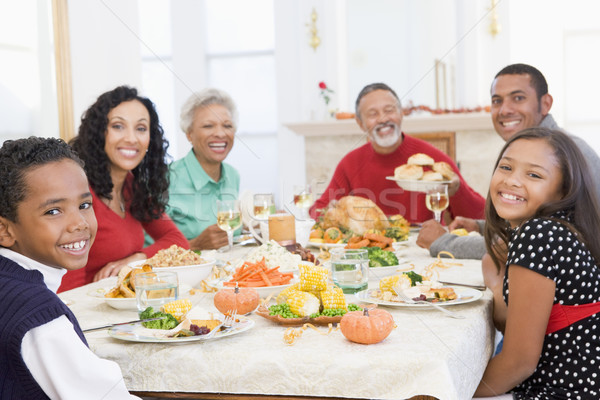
<point x="137" y="333"/>
<point x="376" y="273"/>
<point x="326" y="245"/>
<point x="416" y="186"/>
<point x="128" y="303"/>
<point x="465" y="295"/>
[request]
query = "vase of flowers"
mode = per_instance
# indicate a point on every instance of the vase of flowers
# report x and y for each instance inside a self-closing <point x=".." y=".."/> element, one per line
<point x="328" y="111"/>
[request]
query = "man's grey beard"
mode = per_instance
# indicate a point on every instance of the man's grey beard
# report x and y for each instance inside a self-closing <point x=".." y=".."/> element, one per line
<point x="388" y="140"/>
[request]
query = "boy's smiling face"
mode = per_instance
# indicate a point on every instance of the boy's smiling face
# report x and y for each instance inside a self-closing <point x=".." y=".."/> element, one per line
<point x="55" y="223"/>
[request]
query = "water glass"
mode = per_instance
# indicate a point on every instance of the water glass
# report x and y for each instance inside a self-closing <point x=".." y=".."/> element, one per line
<point x="350" y="269"/>
<point x="153" y="289"/>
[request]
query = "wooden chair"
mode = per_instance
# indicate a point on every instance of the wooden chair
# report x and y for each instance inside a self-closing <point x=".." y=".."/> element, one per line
<point x="444" y="141"/>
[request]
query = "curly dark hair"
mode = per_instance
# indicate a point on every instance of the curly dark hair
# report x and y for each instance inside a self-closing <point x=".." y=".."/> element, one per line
<point x="578" y="196"/>
<point x="17" y="157"/>
<point x="150" y="178"/>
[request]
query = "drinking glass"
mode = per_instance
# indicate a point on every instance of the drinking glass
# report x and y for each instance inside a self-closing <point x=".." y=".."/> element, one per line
<point x="264" y="205"/>
<point x="303" y="199"/>
<point x="229" y="218"/>
<point x="437" y="200"/>
<point x="350" y="269"/>
<point x="153" y="289"/>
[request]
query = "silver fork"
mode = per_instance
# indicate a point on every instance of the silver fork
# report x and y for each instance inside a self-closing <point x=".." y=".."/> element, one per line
<point x="408" y="300"/>
<point x="229" y="320"/>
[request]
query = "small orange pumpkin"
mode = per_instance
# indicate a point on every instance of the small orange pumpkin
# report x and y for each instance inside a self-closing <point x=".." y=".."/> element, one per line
<point x="367" y="326"/>
<point x="244" y="300"/>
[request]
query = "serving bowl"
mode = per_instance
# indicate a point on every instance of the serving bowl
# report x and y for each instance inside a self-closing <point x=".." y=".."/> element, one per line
<point x="191" y="275"/>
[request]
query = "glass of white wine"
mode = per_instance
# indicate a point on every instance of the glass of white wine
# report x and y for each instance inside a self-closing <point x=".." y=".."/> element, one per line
<point x="264" y="205"/>
<point x="229" y="218"/>
<point x="437" y="200"/>
<point x="303" y="199"/>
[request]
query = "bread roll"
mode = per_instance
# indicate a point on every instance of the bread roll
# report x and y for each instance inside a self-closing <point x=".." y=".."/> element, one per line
<point x="432" y="176"/>
<point x="445" y="169"/>
<point x="408" y="172"/>
<point x="420" y="159"/>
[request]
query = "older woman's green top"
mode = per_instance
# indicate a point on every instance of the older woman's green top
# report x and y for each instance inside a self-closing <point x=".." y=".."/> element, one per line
<point x="193" y="194"/>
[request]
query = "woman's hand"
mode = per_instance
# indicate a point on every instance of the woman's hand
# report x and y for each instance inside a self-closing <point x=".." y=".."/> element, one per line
<point x="211" y="238"/>
<point x="454" y="185"/>
<point x="114" y="267"/>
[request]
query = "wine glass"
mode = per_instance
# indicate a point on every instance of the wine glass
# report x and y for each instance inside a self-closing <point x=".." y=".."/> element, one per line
<point x="264" y="205"/>
<point x="303" y="199"/>
<point x="229" y="218"/>
<point x="437" y="200"/>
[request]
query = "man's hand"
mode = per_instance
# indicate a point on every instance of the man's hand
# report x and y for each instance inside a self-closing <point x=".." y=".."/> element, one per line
<point x="430" y="231"/>
<point x="212" y="237"/>
<point x="466" y="223"/>
<point x="454" y="185"/>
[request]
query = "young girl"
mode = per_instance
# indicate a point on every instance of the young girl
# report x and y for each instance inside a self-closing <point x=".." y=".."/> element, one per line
<point x="47" y="226"/>
<point x="122" y="144"/>
<point x="541" y="208"/>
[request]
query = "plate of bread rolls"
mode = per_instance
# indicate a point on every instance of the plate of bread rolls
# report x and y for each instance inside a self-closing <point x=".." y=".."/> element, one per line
<point x="421" y="173"/>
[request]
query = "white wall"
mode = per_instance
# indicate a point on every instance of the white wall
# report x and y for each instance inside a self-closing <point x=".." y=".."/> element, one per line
<point x="105" y="50"/>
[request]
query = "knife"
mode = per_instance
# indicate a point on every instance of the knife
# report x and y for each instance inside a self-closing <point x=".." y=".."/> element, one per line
<point x="478" y="287"/>
<point x="121" y="323"/>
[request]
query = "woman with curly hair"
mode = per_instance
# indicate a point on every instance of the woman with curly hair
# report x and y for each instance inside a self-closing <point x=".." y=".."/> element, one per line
<point x="123" y="146"/>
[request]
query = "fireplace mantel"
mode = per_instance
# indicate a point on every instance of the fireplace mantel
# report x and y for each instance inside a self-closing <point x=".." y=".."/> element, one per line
<point x="477" y="144"/>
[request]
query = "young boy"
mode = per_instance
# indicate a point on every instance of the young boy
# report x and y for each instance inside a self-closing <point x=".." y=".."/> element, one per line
<point x="47" y="226"/>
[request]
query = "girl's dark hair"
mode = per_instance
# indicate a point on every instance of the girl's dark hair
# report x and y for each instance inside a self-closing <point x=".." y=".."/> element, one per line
<point x="578" y="195"/>
<point x="149" y="195"/>
<point x="17" y="157"/>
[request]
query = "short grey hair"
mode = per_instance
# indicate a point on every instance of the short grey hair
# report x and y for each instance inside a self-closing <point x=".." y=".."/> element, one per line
<point x="205" y="98"/>
<point x="371" y="88"/>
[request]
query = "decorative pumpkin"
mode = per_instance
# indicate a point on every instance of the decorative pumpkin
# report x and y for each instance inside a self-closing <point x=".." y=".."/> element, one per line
<point x="367" y="326"/>
<point x="244" y="300"/>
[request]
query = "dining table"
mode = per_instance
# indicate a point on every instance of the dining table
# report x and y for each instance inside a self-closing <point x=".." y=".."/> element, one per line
<point x="428" y="354"/>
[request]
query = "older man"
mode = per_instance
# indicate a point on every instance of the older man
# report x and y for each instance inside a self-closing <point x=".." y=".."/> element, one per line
<point x="363" y="171"/>
<point x="520" y="100"/>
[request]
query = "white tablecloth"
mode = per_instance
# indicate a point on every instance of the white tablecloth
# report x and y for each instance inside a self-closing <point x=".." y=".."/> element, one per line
<point x="427" y="354"/>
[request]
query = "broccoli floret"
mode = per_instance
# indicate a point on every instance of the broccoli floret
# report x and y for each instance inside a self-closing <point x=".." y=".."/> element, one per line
<point x="168" y="322"/>
<point x="381" y="258"/>
<point x="396" y="232"/>
<point x="414" y="277"/>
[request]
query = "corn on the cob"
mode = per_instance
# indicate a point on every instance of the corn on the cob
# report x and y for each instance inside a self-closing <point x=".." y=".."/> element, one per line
<point x="283" y="296"/>
<point x="304" y="303"/>
<point x="388" y="283"/>
<point x="313" y="278"/>
<point x="178" y="308"/>
<point x="333" y="297"/>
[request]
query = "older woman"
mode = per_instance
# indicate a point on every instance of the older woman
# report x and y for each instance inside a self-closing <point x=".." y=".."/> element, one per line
<point x="122" y="144"/>
<point x="209" y="120"/>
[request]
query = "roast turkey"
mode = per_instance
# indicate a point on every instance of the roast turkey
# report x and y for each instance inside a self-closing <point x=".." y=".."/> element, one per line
<point x="354" y="213"/>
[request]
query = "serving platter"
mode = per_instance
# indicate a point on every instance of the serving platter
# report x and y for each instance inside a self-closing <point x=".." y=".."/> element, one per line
<point x="137" y="333"/>
<point x="263" y="311"/>
<point x="416" y="185"/>
<point x="263" y="291"/>
<point x="464" y="294"/>
<point x="326" y="245"/>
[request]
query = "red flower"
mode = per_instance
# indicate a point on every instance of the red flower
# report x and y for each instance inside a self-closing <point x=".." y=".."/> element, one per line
<point x="322" y="85"/>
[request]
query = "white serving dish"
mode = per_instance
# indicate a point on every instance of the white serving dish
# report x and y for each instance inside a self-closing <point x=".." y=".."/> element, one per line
<point x="187" y="274"/>
<point x="416" y="186"/>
